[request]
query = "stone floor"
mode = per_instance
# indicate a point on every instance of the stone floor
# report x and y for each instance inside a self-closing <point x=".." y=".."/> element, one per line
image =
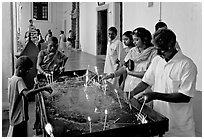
<point x="77" y="60"/>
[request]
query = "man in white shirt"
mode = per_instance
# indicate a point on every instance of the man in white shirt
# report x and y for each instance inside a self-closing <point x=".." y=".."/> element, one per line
<point x="173" y="77"/>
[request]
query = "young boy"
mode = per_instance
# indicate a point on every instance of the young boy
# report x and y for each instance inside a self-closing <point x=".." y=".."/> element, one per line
<point x="17" y="95"/>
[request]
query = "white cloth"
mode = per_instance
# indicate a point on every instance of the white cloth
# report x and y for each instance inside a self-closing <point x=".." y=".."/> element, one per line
<point x="62" y="42"/>
<point x="177" y="75"/>
<point x="139" y="65"/>
<point x="114" y="49"/>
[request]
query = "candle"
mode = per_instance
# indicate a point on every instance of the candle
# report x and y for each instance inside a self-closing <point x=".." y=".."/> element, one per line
<point x="106" y="114"/>
<point x="118" y="98"/>
<point x="87" y="77"/>
<point x="96" y="69"/>
<point x="52" y="76"/>
<point x="89" y="119"/>
<point x="129" y="97"/>
<point x="142" y="106"/>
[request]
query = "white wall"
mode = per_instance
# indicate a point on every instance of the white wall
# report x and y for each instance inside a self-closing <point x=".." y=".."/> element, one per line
<point x="138" y="14"/>
<point x="88" y="24"/>
<point x="67" y="8"/>
<point x="54" y="23"/>
<point x="6" y="47"/>
<point x="185" y="19"/>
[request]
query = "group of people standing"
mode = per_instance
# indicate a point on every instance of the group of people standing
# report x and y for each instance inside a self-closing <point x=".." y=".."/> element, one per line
<point x="34" y="34"/>
<point x="154" y="70"/>
<point x="150" y="67"/>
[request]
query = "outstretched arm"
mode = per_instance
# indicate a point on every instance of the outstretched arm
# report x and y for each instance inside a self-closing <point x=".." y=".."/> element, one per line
<point x="28" y="93"/>
<point x="172" y="97"/>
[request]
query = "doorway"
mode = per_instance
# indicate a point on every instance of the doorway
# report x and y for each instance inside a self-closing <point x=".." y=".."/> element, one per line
<point x="102" y="32"/>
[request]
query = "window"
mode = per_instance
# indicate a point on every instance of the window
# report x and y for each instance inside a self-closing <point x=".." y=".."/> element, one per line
<point x="40" y="10"/>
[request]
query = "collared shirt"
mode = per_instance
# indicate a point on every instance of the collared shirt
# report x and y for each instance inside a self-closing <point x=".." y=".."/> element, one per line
<point x="18" y="104"/>
<point x="114" y="49"/>
<point x="177" y="75"/>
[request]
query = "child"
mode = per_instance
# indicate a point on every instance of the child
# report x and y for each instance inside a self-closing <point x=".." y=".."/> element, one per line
<point x="62" y="41"/>
<point x="18" y="98"/>
<point x="128" y="42"/>
<point x="113" y="54"/>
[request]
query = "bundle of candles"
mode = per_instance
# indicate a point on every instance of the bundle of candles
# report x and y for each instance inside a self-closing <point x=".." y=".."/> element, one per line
<point x="139" y="116"/>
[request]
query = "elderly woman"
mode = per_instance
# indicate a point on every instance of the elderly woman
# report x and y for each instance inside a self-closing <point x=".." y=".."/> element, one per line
<point x="51" y="59"/>
<point x="141" y="55"/>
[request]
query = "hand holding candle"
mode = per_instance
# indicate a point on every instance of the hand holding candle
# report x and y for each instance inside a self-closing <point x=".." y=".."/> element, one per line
<point x="145" y="98"/>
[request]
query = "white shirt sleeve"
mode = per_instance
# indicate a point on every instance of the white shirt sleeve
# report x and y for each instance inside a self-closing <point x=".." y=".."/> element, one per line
<point x="149" y="76"/>
<point x="188" y="79"/>
<point x="21" y="85"/>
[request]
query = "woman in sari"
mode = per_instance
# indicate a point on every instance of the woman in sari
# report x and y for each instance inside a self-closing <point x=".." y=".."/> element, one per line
<point x="51" y="59"/>
<point x="141" y="55"/>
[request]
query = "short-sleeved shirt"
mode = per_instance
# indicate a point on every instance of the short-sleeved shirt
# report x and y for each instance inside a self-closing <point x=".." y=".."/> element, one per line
<point x="177" y="75"/>
<point x="48" y="61"/>
<point x="18" y="103"/>
<point x="114" y="49"/>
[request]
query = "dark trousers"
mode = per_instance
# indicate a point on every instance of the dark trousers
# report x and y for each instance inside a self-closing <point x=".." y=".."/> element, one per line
<point x="20" y="130"/>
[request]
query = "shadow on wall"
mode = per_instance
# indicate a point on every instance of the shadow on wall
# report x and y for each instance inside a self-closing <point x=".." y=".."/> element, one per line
<point x="197" y="111"/>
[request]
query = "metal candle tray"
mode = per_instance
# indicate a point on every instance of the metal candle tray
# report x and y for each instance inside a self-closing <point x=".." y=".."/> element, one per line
<point x="120" y="122"/>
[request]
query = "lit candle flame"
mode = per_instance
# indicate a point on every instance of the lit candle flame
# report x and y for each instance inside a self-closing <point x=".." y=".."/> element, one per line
<point x="49" y="129"/>
<point x="87" y="97"/>
<point x="96" y="69"/>
<point x="95" y="110"/>
<point x="89" y="118"/>
<point x="106" y="111"/>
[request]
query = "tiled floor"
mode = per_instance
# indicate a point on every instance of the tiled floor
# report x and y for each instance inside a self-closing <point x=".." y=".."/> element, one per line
<point x="77" y="60"/>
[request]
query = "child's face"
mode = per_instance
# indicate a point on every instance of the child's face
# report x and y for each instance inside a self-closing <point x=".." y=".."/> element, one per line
<point x="24" y="71"/>
<point x="137" y="41"/>
<point x="111" y="35"/>
<point x="126" y="40"/>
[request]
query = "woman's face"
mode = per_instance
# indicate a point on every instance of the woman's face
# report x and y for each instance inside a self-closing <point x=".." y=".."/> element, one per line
<point x="111" y="35"/>
<point x="126" y="40"/>
<point x="52" y="47"/>
<point x="137" y="41"/>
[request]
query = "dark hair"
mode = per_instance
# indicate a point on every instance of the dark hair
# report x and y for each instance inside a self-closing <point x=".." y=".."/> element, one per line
<point x="24" y="62"/>
<point x="30" y="20"/>
<point x="160" y="25"/>
<point x="144" y="34"/>
<point x="54" y="39"/>
<point x="164" y="38"/>
<point x="128" y="34"/>
<point x="113" y="29"/>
